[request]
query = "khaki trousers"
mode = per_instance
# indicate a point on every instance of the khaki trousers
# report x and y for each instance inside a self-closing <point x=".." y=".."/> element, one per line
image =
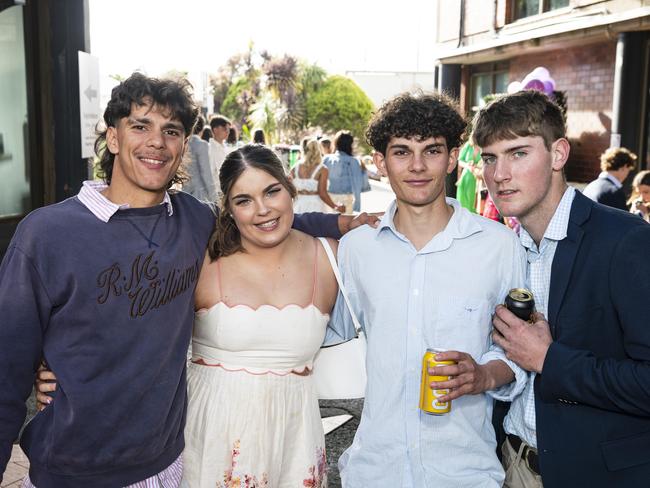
<point x="346" y="199"/>
<point x="518" y="474"/>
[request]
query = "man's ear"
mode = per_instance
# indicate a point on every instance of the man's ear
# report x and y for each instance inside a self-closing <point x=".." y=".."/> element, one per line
<point x="453" y="160"/>
<point x="111" y="140"/>
<point x="380" y="162"/>
<point x="560" y="153"/>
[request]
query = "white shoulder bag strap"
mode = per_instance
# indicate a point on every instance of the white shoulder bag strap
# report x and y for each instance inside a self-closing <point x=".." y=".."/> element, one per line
<point x="335" y="268"/>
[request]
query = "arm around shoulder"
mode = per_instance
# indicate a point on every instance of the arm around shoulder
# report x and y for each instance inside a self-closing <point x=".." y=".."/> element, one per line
<point x="318" y="224"/>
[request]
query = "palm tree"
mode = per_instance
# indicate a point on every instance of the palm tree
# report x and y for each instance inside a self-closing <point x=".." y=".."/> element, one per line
<point x="264" y="113"/>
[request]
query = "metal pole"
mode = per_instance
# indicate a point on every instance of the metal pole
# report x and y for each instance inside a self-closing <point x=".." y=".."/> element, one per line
<point x="615" y="138"/>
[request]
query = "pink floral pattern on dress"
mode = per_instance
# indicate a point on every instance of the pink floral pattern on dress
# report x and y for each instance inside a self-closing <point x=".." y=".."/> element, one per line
<point x="233" y="479"/>
<point x="317" y="473"/>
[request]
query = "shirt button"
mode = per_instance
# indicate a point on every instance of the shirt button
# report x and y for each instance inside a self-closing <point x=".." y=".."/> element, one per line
<point x="416" y="292"/>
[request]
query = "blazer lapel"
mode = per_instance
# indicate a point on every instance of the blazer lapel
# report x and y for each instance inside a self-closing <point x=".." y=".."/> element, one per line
<point x="565" y="255"/>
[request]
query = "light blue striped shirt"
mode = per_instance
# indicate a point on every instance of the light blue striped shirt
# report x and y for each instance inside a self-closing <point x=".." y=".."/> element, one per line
<point x="441" y="296"/>
<point x="520" y="420"/>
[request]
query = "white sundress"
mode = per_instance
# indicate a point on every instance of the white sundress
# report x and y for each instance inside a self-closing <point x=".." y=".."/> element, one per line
<point x="308" y="203"/>
<point x="251" y="421"/>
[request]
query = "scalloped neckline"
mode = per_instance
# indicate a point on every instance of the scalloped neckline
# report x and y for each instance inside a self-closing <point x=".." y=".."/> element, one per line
<point x="206" y="311"/>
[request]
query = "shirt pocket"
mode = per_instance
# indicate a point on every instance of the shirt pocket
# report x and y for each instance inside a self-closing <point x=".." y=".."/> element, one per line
<point x="459" y="324"/>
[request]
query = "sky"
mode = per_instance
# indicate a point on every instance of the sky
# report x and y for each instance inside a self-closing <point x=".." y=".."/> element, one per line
<point x="156" y="36"/>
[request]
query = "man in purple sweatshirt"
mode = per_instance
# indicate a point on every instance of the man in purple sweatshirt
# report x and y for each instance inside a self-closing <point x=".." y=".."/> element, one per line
<point x="101" y="287"/>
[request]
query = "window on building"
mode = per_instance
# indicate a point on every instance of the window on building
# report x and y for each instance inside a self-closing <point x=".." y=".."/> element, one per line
<point x="526" y="8"/>
<point x="487" y="80"/>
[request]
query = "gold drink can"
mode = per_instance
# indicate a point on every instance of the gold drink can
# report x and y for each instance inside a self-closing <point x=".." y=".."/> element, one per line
<point x="429" y="397"/>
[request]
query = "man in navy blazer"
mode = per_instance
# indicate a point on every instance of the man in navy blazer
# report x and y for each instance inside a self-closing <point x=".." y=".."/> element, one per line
<point x="616" y="164"/>
<point x="584" y="418"/>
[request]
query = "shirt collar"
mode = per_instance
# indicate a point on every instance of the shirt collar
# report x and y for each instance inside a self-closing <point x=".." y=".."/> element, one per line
<point x="461" y="224"/>
<point x="101" y="207"/>
<point x="611" y="178"/>
<point x="557" y="227"/>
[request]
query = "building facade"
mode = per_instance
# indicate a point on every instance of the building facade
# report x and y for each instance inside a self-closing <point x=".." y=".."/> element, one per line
<point x="40" y="150"/>
<point x="598" y="53"/>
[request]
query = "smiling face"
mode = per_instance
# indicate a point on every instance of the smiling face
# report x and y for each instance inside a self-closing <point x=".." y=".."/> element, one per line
<point x="417" y="169"/>
<point x="524" y="177"/>
<point x="262" y="209"/>
<point x="148" y="146"/>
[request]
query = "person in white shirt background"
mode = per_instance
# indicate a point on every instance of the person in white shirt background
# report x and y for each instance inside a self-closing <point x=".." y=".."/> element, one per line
<point x="220" y="126"/>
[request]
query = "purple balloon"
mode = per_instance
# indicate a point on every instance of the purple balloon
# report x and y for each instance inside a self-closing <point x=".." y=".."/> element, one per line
<point x="540" y="73"/>
<point x="534" y="85"/>
<point x="549" y="87"/>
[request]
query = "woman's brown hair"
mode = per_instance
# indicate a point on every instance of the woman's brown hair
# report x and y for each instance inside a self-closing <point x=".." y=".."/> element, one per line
<point x="226" y="239"/>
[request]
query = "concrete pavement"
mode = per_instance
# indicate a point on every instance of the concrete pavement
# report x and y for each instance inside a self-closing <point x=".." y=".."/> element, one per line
<point x="16" y="469"/>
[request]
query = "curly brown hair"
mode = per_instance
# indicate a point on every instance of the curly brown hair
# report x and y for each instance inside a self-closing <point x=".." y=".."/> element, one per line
<point x="417" y="115"/>
<point x="138" y="89"/>
<point x="616" y="158"/>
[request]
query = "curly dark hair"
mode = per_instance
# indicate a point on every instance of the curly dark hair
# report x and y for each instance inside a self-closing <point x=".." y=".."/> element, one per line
<point x="616" y="158"/>
<point x="343" y="141"/>
<point x="174" y="95"/>
<point x="416" y="115"/>
<point x="226" y="239"/>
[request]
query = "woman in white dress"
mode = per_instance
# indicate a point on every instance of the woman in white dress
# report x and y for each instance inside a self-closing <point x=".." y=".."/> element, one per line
<point x="263" y="301"/>
<point x="310" y="178"/>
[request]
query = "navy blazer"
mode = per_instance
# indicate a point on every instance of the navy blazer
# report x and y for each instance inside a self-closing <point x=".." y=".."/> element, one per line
<point x="603" y="190"/>
<point x="592" y="399"/>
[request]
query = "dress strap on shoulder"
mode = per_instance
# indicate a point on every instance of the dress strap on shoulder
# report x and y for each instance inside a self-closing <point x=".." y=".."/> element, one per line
<point x="218" y="263"/>
<point x="315" y="172"/>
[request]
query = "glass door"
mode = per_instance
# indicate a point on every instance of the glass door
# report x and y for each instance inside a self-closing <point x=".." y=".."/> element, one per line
<point x="15" y="197"/>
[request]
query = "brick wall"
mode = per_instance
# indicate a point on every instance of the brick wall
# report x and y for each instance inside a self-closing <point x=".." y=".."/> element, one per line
<point x="586" y="73"/>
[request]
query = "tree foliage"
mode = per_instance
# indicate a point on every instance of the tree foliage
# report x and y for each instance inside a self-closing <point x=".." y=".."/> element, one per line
<point x="239" y="66"/>
<point x="286" y="96"/>
<point x="340" y="104"/>
<point x="242" y="94"/>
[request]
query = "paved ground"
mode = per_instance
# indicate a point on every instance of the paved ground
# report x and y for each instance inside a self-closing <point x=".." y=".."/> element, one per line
<point x="338" y="440"/>
<point x="16" y="469"/>
<point x="378" y="199"/>
<point x="18" y="464"/>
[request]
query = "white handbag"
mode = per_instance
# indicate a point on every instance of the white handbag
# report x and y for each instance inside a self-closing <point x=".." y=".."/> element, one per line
<point x="339" y="371"/>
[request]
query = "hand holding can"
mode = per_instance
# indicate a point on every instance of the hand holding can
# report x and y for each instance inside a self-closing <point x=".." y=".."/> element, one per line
<point x="428" y="396"/>
<point x="520" y="302"/>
